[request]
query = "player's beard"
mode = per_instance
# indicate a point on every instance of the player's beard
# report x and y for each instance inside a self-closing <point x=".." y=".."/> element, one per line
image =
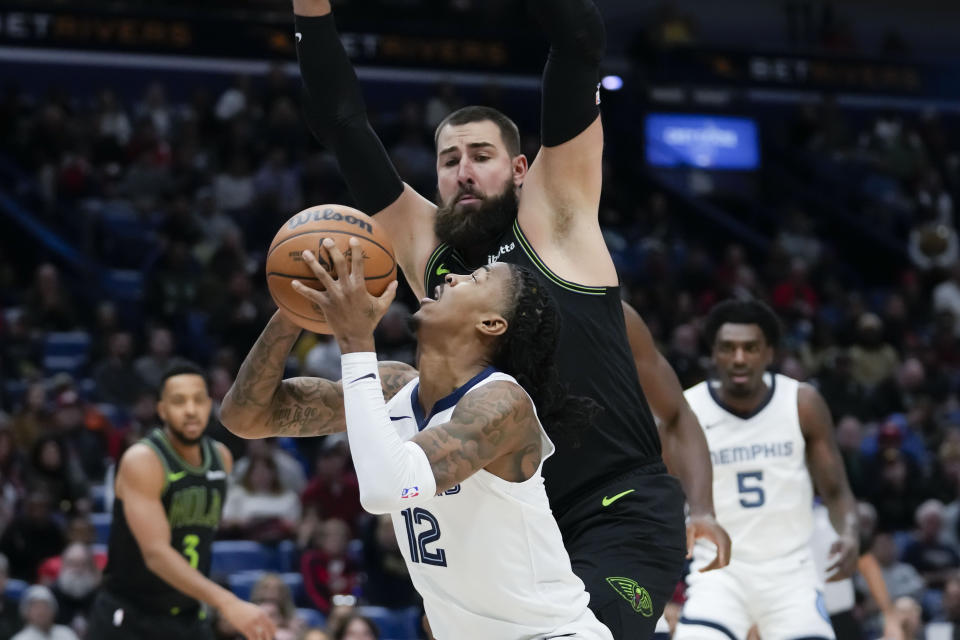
<point x="476" y="227"/>
<point x="184" y="440"/>
<point x="77" y="584"/>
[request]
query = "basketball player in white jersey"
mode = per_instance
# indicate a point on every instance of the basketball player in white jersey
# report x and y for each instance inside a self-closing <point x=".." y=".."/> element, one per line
<point x="455" y="454"/>
<point x="768" y="436"/>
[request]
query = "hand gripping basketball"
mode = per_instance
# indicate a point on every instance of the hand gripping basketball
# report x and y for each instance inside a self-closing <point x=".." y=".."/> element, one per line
<point x="351" y="311"/>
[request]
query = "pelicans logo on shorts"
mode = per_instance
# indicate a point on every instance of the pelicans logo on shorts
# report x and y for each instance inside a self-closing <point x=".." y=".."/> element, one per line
<point x="637" y="596"/>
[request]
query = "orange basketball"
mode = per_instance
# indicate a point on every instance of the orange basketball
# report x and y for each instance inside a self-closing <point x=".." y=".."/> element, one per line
<point x="307" y="230"/>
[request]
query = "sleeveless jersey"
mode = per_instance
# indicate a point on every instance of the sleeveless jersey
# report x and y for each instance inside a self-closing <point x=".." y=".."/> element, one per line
<point x="486" y="555"/>
<point x="192" y="499"/>
<point x="762" y="491"/>
<point x="594" y="359"/>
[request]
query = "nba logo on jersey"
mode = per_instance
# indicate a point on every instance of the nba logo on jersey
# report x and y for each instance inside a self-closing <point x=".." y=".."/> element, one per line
<point x="410" y="492"/>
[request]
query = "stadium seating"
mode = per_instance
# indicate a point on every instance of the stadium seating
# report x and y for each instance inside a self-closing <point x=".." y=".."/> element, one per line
<point x="395" y="624"/>
<point x="101" y="523"/>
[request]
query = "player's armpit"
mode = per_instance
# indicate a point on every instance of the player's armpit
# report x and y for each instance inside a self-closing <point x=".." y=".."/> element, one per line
<point x="492" y="427"/>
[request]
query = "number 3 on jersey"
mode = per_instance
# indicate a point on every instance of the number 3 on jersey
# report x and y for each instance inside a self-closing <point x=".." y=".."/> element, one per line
<point x="190" y="543"/>
<point x="418" y="543"/>
<point x="751" y="495"/>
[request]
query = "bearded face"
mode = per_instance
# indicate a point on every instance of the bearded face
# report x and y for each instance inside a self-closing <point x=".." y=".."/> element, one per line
<point x="478" y="223"/>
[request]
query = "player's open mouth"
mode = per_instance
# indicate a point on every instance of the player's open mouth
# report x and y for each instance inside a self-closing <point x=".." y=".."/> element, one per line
<point x="739" y="378"/>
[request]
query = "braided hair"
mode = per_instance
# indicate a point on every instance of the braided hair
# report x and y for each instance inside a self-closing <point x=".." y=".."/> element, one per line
<point x="527" y="351"/>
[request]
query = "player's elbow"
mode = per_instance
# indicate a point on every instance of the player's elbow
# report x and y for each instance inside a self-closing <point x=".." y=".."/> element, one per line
<point x="238" y="419"/>
<point x="377" y="501"/>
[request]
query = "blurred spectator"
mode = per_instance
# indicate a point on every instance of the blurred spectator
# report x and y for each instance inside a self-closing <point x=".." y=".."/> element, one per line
<point x="388" y="581"/>
<point x="946" y="296"/>
<point x="81" y="429"/>
<point x="113" y="125"/>
<point x="946" y="626"/>
<point x="872" y="359"/>
<point x="288" y="468"/>
<point x="117" y="380"/>
<point x="48" y="305"/>
<point x="327" y="568"/>
<point x="684" y="355"/>
<point x="934" y="560"/>
<point x="893" y="490"/>
<point x="393" y="335"/>
<point x="155" y="108"/>
<point x="901" y="579"/>
<point x="356" y="627"/>
<point x="234" y="188"/>
<point x="39" y="608"/>
<point x="54" y="471"/>
<point x="76" y="587"/>
<point x="933" y="246"/>
<point x="443" y="102"/>
<point x="151" y="366"/>
<point x="797" y="237"/>
<point x="9" y="615"/>
<point x="842" y="392"/>
<point x="174" y="286"/>
<point x="31" y="537"/>
<point x="258" y="507"/>
<point x="238" y="317"/>
<point x="20" y="350"/>
<point x="284" y="631"/>
<point x="270" y="590"/>
<point x="795" y="296"/>
<point x="910" y="614"/>
<point x="333" y="492"/>
<point x="323" y="359"/>
<point x="314" y="634"/>
<point x="849" y="438"/>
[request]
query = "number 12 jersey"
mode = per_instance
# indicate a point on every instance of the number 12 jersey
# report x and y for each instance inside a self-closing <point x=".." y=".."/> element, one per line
<point x="486" y="555"/>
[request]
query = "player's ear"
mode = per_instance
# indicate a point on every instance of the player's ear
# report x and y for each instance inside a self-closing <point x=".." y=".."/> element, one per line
<point x="161" y="411"/>
<point x="519" y="167"/>
<point x="493" y="324"/>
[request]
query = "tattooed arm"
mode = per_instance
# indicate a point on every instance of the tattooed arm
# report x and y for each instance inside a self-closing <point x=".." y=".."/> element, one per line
<point x="261" y="404"/>
<point x="492" y="427"/>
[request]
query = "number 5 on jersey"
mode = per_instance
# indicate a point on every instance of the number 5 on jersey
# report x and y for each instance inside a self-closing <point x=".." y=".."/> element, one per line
<point x="751" y="491"/>
<point x="418" y="543"/>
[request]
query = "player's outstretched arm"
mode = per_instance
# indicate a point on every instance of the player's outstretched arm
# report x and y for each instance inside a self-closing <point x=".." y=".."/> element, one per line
<point x="337" y="116"/>
<point x="139" y="483"/>
<point x="261" y="404"/>
<point x="567" y="173"/>
<point x="830" y="478"/>
<point x="684" y="446"/>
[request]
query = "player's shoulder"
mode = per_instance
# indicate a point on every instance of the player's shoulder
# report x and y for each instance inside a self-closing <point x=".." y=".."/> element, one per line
<point x="226" y="458"/>
<point x="140" y="467"/>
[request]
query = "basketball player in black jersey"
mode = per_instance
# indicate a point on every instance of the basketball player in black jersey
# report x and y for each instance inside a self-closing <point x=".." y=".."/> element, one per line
<point x="620" y="513"/>
<point x="170" y="488"/>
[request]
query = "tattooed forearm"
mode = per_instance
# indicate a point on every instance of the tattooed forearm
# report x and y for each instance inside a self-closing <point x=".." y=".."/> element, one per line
<point x="262" y="369"/>
<point x="494" y="424"/>
<point x="394" y="376"/>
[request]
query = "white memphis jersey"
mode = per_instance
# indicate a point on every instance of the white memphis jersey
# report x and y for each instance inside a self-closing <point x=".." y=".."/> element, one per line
<point x="838" y="596"/>
<point x="486" y="556"/>
<point x="762" y="491"/>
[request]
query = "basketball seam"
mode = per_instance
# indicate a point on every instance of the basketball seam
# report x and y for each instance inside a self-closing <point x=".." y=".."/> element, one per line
<point x="306" y="233"/>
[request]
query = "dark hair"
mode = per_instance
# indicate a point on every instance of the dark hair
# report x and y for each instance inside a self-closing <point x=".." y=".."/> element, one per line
<point x="341" y="630"/>
<point x="181" y="368"/>
<point x="527" y="351"/>
<point x="275" y="487"/>
<point x="743" y="312"/>
<point x="466" y="115"/>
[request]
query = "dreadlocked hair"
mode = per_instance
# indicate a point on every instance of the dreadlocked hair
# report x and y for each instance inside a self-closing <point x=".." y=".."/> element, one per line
<point x="527" y="351"/>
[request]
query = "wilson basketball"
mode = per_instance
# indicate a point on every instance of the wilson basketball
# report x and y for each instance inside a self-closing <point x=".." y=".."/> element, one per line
<point x="307" y="230"/>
